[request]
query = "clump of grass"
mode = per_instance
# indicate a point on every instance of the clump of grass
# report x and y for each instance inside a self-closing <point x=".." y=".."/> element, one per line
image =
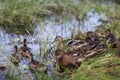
<point x="42" y="76"/>
<point x="12" y="70"/>
<point x="11" y="77"/>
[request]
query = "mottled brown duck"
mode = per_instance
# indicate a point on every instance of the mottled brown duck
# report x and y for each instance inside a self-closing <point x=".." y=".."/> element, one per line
<point x="25" y="50"/>
<point x="35" y="65"/>
<point x="110" y="38"/>
<point x="72" y="58"/>
<point x="68" y="45"/>
<point x="16" y="56"/>
<point x="92" y="40"/>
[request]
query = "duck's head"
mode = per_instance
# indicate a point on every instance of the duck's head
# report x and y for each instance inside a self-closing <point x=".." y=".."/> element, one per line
<point x="2" y="68"/>
<point x="58" y="54"/>
<point x="89" y="34"/>
<point x="58" y="39"/>
<point x="24" y="42"/>
<point x="107" y="32"/>
<point x="15" y="48"/>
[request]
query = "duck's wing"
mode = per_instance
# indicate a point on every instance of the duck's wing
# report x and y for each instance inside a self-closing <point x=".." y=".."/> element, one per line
<point x="74" y="42"/>
<point x="74" y="53"/>
<point x="70" y="42"/>
<point x="90" y="53"/>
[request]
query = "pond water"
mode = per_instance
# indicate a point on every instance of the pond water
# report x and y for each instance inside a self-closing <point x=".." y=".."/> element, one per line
<point x="44" y="33"/>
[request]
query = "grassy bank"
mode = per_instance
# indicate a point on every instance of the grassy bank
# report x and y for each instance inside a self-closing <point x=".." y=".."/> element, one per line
<point x="105" y="66"/>
<point x="18" y="15"/>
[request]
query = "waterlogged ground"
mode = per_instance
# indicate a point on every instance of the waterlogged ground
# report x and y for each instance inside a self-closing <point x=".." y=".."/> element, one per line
<point x="45" y="34"/>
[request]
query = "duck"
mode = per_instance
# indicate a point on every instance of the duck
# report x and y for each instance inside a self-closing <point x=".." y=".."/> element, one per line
<point x="25" y="50"/>
<point x="69" y="44"/>
<point x="59" y="43"/>
<point x="75" y="44"/>
<point x="26" y="54"/>
<point x="92" y="39"/>
<point x="71" y="59"/>
<point x="35" y="65"/>
<point x="16" y="56"/>
<point x="110" y="37"/>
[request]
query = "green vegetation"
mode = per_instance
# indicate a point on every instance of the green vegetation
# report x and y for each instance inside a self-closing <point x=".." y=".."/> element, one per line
<point x="42" y="76"/>
<point x="105" y="66"/>
<point x="17" y="16"/>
